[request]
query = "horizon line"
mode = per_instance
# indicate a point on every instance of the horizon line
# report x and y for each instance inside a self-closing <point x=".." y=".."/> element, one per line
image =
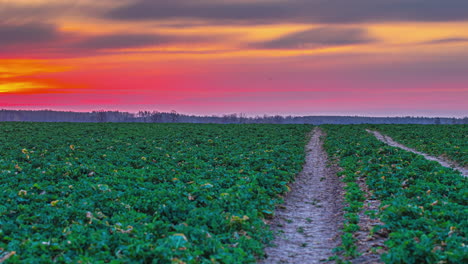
<point x="235" y="113"/>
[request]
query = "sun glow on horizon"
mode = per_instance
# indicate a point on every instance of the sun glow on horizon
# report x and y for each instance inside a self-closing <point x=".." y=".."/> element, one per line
<point x="90" y="53"/>
<point x="22" y="87"/>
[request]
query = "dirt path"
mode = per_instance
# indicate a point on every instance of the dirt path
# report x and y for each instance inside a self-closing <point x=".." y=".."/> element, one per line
<point x="307" y="225"/>
<point x="388" y="140"/>
<point x="369" y="243"/>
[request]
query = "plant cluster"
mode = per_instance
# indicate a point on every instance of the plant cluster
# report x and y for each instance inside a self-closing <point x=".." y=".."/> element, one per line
<point x="142" y="193"/>
<point x="423" y="205"/>
<point x="449" y="141"/>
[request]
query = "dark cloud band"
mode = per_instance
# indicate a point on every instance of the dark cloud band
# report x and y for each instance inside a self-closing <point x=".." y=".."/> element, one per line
<point x="447" y="40"/>
<point x="46" y="39"/>
<point x="310" y="11"/>
<point x="318" y="37"/>
<point x="26" y="34"/>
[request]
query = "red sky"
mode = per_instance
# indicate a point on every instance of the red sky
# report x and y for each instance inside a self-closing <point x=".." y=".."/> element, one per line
<point x="336" y="57"/>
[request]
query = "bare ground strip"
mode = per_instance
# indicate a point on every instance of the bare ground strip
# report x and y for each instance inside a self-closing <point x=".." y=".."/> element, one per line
<point x="388" y="140"/>
<point x="370" y="244"/>
<point x="309" y="223"/>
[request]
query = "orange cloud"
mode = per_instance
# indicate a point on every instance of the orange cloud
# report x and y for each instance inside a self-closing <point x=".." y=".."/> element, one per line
<point x="23" y="76"/>
<point x="23" y="67"/>
<point x="21" y="87"/>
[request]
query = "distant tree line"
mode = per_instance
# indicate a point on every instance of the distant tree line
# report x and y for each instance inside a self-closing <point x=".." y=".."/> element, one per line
<point x="174" y="117"/>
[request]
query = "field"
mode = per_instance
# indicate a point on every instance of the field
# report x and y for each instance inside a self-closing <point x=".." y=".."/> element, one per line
<point x="450" y="142"/>
<point x="97" y="193"/>
<point x="184" y="193"/>
<point x="424" y="205"/>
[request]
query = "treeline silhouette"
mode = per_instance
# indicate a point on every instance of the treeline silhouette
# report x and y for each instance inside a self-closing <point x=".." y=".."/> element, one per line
<point x="174" y="117"/>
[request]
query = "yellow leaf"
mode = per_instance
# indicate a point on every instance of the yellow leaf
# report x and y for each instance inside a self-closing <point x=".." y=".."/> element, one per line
<point x="181" y="235"/>
<point x="238" y="219"/>
<point x="177" y="261"/>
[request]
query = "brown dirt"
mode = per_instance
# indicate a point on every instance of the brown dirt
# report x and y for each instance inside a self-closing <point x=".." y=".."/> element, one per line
<point x="370" y="244"/>
<point x="446" y="163"/>
<point x="308" y="224"/>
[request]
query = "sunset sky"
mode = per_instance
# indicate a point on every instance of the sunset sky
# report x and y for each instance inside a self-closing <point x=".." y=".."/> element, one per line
<point x="298" y="57"/>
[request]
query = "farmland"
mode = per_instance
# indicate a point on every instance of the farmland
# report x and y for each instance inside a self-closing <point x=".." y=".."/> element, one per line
<point x="450" y="142"/>
<point x="185" y="193"/>
<point x="424" y="205"/>
<point x="136" y="193"/>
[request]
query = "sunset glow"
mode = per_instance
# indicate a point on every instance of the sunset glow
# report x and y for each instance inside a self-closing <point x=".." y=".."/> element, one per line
<point x="257" y="57"/>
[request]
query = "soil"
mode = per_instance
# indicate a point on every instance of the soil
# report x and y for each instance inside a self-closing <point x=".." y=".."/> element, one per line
<point x="369" y="243"/>
<point x="308" y="224"/>
<point x="446" y="163"/>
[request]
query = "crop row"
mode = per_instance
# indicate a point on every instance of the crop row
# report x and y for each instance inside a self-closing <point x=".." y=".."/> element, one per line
<point x="423" y="205"/>
<point x="449" y="141"/>
<point x="142" y="193"/>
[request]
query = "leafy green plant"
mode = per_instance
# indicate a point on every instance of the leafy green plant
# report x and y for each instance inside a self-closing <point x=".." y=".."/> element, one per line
<point x="141" y="193"/>
<point x="449" y="141"/>
<point x="423" y="204"/>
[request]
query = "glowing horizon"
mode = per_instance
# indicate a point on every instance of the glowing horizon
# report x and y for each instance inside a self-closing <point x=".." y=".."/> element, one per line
<point x="256" y="57"/>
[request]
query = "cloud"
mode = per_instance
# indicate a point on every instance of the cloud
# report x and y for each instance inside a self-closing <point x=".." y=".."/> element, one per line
<point x="119" y="41"/>
<point x="122" y="41"/>
<point x="27" y="11"/>
<point x="25" y="34"/>
<point x="44" y="40"/>
<point x="318" y="37"/>
<point x="310" y="11"/>
<point x="447" y="40"/>
<point x="144" y="10"/>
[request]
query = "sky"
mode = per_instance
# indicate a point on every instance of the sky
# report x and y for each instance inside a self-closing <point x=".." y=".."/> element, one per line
<point x="288" y="57"/>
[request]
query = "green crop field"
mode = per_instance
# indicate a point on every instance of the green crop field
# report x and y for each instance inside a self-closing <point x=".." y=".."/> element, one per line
<point x="424" y="205"/>
<point x="449" y="141"/>
<point x="186" y="193"/>
<point x="121" y="193"/>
